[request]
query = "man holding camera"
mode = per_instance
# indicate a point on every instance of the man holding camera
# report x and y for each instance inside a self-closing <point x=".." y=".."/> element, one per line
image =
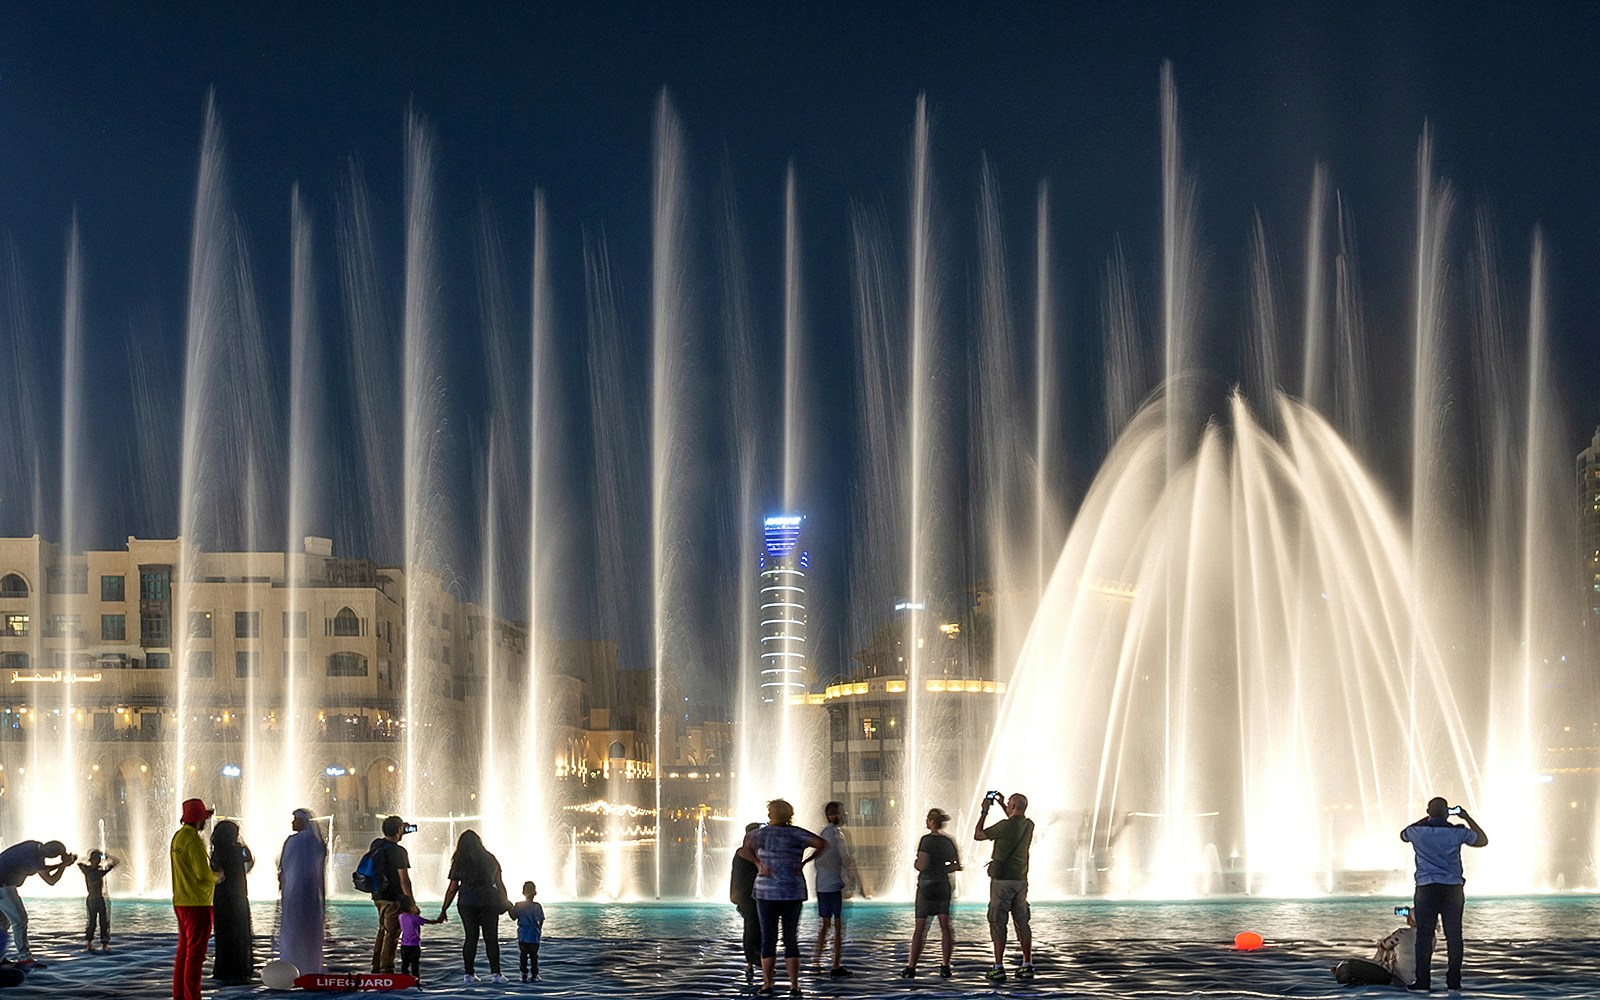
<point x="17" y="863"/>
<point x="1441" y="886"/>
<point x="391" y="880"/>
<point x="1008" y="879"/>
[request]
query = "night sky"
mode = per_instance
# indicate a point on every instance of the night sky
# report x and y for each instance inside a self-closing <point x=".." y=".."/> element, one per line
<point x="101" y="108"/>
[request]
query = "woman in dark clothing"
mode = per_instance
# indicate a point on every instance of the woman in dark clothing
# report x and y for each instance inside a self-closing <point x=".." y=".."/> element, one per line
<point x="235" y="962"/>
<point x="475" y="878"/>
<point x="742" y="893"/>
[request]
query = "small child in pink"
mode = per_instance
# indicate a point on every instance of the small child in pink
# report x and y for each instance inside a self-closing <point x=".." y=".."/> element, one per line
<point x="411" y="921"/>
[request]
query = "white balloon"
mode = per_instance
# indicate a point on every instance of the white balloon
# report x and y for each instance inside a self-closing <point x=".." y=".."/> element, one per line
<point x="279" y="974"/>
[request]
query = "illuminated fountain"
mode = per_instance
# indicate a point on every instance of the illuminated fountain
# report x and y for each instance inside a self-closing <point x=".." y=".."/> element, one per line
<point x="1239" y="628"/>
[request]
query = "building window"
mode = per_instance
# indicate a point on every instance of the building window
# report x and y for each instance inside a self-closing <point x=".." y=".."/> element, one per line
<point x="113" y="589"/>
<point x="868" y="808"/>
<point x="247" y="663"/>
<point x="347" y="665"/>
<point x="871" y="768"/>
<point x="14" y="661"/>
<point x="159" y="661"/>
<point x="199" y="663"/>
<point x="445" y="652"/>
<point x="114" y="628"/>
<point x="154" y="629"/>
<point x="294" y="624"/>
<point x="869" y="729"/>
<point x="295" y="662"/>
<point x="346" y="624"/>
<point x="67" y="579"/>
<point x="14" y="625"/>
<point x="64" y="626"/>
<point x="12" y="585"/>
<point x="247" y="624"/>
<point x="155" y="583"/>
<point x="199" y="624"/>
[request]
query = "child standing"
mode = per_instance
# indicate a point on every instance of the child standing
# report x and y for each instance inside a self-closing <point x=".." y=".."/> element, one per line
<point x="530" y="928"/>
<point x="411" y="921"/>
<point x="94" y="877"/>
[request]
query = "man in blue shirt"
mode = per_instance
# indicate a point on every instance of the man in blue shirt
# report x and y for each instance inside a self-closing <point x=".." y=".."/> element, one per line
<point x="1441" y="886"/>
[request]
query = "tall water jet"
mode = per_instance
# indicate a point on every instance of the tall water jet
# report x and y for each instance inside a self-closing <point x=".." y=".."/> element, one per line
<point x="306" y="460"/>
<point x="1045" y="404"/>
<point x="534" y="793"/>
<point x="1314" y="330"/>
<point x="1428" y="404"/>
<point x="58" y="770"/>
<point x="423" y="430"/>
<point x="1178" y="278"/>
<point x="668" y="412"/>
<point x="920" y="334"/>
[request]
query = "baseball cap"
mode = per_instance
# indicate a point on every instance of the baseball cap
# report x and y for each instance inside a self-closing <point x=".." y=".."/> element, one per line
<point x="195" y="811"/>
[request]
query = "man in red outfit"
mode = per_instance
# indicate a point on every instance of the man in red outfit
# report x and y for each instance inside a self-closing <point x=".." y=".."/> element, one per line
<point x="194" y="886"/>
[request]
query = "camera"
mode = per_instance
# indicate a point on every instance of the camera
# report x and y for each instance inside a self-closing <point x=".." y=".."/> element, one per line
<point x="1402" y="911"/>
<point x="409" y="828"/>
<point x="1455" y="810"/>
<point x="993" y="796"/>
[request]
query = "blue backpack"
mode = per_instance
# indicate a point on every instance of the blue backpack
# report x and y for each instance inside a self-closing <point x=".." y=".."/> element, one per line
<point x="368" y="877"/>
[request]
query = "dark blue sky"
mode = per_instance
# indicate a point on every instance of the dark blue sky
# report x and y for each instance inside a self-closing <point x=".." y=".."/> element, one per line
<point x="101" y="110"/>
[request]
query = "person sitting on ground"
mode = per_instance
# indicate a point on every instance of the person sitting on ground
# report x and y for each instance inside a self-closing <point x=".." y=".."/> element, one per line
<point x="1393" y="963"/>
<point x="17" y="862"/>
<point x="94" y="878"/>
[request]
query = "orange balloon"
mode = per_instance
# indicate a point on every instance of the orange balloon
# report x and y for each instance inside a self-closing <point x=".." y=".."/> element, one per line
<point x="1247" y="941"/>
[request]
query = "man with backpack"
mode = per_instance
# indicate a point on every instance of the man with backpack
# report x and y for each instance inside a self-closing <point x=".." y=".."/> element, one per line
<point x="385" y="872"/>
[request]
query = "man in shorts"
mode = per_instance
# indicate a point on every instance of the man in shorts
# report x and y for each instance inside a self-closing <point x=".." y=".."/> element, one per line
<point x="1008" y="879"/>
<point x="836" y="874"/>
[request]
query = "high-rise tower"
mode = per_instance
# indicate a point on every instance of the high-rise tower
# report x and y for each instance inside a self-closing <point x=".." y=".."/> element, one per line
<point x="783" y="564"/>
<point x="1589" y="537"/>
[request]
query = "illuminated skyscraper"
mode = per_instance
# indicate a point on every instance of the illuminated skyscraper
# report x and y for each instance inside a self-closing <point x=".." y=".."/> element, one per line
<point x="783" y="564"/>
<point x="1589" y="537"/>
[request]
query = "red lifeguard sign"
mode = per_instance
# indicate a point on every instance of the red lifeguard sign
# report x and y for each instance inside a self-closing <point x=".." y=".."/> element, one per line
<point x="327" y="982"/>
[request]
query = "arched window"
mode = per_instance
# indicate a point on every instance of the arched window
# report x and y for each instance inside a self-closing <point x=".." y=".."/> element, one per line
<point x="12" y="585"/>
<point x="617" y="751"/>
<point x="346" y="624"/>
<point x="347" y="665"/>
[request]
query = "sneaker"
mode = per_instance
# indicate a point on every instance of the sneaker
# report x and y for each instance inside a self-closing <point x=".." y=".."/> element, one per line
<point x="766" y="991"/>
<point x="795" y="991"/>
<point x="1026" y="972"/>
<point x="814" y="970"/>
<point x="944" y="972"/>
<point x="909" y="972"/>
<point x="468" y="979"/>
<point x="31" y="965"/>
<point x="839" y="970"/>
<point x="995" y="975"/>
<point x="497" y="978"/>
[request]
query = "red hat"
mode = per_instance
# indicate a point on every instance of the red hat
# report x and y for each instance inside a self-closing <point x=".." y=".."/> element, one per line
<point x="195" y="811"/>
